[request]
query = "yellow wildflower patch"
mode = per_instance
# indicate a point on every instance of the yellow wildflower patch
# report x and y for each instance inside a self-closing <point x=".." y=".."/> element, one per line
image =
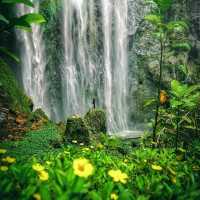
<point x="43" y="175"/>
<point x="9" y="159"/>
<point x="118" y="176"/>
<point x="156" y="167"/>
<point x="82" y="167"/>
<point x="38" y="167"/>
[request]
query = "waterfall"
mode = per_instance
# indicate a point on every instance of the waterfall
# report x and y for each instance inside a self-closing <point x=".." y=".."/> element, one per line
<point x="115" y="61"/>
<point x="95" y="61"/>
<point x="33" y="61"/>
<point x="82" y="68"/>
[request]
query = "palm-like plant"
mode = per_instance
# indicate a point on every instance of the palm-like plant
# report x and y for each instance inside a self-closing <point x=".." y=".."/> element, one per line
<point x="23" y="22"/>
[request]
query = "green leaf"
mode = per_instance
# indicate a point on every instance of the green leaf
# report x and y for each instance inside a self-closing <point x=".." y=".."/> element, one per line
<point x="10" y="54"/>
<point x="33" y="18"/>
<point x="184" y="46"/>
<point x="23" y="25"/>
<point x="178" y="89"/>
<point x="94" y="196"/>
<point x="154" y="19"/>
<point x="2" y="18"/>
<point x="24" y="22"/>
<point x="26" y="2"/>
<point x="107" y="189"/>
<point x="179" y="26"/>
<point x="149" y="102"/>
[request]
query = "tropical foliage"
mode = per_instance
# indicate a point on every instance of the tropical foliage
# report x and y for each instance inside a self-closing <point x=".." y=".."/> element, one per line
<point x="97" y="172"/>
<point x="22" y="22"/>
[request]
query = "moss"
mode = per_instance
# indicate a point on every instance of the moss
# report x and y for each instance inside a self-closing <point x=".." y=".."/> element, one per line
<point x="37" y="115"/>
<point x="10" y="91"/>
<point x="96" y="119"/>
<point x="77" y="129"/>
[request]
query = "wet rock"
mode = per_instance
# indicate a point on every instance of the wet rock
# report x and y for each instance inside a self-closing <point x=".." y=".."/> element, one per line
<point x="77" y="130"/>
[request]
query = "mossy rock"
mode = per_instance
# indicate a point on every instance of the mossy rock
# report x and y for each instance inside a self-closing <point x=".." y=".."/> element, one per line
<point x="77" y="130"/>
<point x="37" y="115"/>
<point x="96" y="119"/>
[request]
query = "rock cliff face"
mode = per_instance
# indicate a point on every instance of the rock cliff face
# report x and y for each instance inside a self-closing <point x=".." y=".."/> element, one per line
<point x="144" y="52"/>
<point x="193" y="13"/>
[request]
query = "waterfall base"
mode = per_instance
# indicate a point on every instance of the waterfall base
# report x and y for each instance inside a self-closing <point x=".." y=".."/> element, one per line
<point x="128" y="134"/>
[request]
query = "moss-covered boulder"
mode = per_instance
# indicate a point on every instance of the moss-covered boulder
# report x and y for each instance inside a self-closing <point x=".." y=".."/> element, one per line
<point x="77" y="130"/>
<point x="38" y="114"/>
<point x="96" y="119"/>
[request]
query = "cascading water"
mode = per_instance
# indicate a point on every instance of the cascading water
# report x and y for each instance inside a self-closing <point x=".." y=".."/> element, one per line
<point x="115" y="61"/>
<point x="95" y="62"/>
<point x="33" y="61"/>
<point x="81" y="70"/>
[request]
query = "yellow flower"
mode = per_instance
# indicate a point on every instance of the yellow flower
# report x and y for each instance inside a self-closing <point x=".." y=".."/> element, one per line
<point x="3" y="168"/>
<point x="2" y="151"/>
<point x="163" y="97"/>
<point x="156" y="167"/>
<point x="118" y="176"/>
<point x="74" y="141"/>
<point x="82" y="167"/>
<point x="114" y="196"/>
<point x="9" y="159"/>
<point x="37" y="196"/>
<point x="38" y="167"/>
<point x="43" y="175"/>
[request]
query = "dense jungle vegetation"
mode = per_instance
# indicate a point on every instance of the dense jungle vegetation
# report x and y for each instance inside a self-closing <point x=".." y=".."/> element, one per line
<point x="77" y="159"/>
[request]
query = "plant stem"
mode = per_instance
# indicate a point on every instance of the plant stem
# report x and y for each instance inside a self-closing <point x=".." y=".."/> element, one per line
<point x="159" y="88"/>
<point x="177" y="129"/>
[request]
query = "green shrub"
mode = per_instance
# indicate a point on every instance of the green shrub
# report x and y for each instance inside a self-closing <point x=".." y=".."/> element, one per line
<point x="96" y="119"/>
<point x="79" y="172"/>
<point x="77" y="130"/>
